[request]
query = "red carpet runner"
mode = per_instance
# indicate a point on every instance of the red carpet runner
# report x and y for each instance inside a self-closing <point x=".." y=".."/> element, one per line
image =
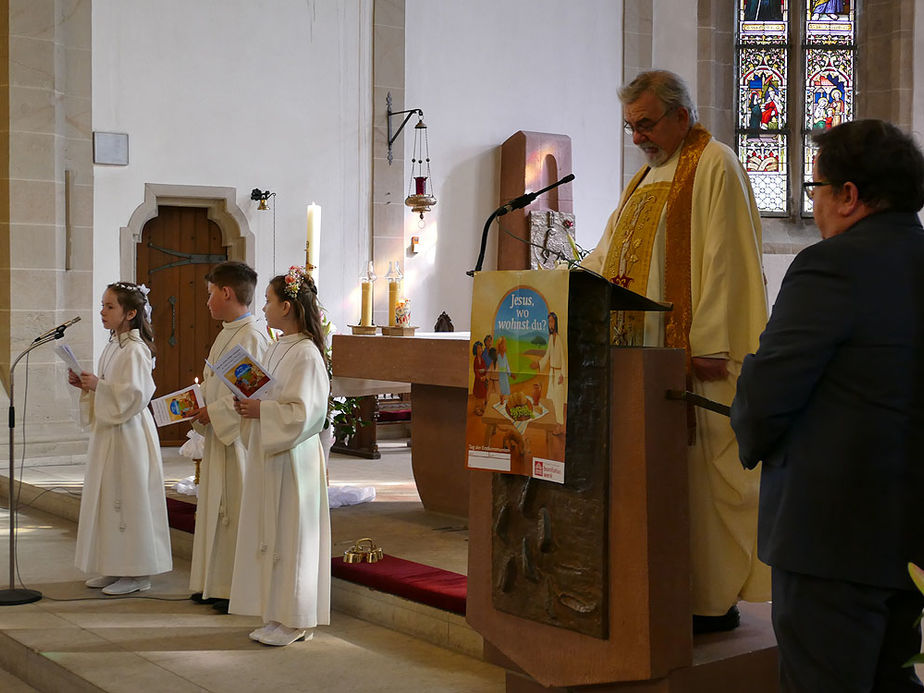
<point x="420" y="583"/>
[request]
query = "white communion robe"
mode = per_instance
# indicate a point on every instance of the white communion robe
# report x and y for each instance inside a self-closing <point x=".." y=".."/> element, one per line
<point x="282" y="562"/>
<point x="221" y="472"/>
<point x="729" y="307"/>
<point x="123" y="529"/>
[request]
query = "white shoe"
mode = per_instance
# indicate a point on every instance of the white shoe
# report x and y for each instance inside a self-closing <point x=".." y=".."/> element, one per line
<point x="101" y="581"/>
<point x="127" y="585"/>
<point x="263" y="632"/>
<point x="283" y="635"/>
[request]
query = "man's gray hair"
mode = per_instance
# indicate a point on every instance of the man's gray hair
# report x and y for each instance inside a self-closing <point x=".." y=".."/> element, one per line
<point x="668" y="87"/>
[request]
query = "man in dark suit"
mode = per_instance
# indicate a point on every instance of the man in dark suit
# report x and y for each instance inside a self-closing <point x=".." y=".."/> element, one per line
<point x="833" y="404"/>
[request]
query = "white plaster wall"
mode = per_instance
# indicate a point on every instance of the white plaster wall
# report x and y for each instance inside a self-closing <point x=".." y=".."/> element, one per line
<point x="481" y="70"/>
<point x="673" y="42"/>
<point x="241" y="94"/>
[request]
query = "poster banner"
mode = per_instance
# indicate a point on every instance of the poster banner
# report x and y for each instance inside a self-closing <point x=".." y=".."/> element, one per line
<point x="518" y="375"/>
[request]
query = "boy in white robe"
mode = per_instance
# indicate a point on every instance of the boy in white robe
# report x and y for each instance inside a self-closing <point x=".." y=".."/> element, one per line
<point x="231" y="286"/>
<point x="282" y="563"/>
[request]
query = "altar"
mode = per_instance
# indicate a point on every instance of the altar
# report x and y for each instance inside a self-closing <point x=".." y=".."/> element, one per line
<point x="435" y="364"/>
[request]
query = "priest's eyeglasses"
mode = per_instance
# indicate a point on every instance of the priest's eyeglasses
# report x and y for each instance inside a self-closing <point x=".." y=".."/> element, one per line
<point x="810" y="185"/>
<point x="645" y="125"/>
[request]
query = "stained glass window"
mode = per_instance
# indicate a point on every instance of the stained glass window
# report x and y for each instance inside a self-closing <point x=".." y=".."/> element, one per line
<point x="763" y="93"/>
<point x="830" y="46"/>
<point x="766" y="89"/>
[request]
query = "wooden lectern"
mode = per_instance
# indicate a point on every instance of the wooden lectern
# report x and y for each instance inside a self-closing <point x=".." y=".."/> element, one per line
<point x="635" y="635"/>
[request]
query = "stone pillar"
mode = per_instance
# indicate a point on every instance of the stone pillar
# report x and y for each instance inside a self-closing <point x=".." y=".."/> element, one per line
<point x="715" y="97"/>
<point x="885" y="61"/>
<point x="636" y="57"/>
<point x="388" y="182"/>
<point x="46" y="211"/>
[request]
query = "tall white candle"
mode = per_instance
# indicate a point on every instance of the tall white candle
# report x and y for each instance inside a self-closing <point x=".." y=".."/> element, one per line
<point x="312" y="250"/>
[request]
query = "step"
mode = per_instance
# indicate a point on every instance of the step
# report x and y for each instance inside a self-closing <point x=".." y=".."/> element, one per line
<point x="436" y="626"/>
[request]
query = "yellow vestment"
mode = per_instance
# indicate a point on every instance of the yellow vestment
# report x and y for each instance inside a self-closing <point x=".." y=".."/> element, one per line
<point x="728" y="311"/>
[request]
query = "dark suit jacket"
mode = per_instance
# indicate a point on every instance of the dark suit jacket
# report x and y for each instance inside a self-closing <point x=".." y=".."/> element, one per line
<point x="833" y="404"/>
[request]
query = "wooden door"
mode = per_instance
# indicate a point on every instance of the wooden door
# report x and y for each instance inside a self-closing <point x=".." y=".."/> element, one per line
<point x="177" y="249"/>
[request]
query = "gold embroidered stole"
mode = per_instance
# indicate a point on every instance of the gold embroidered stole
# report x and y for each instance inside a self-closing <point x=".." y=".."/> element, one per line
<point x="677" y="276"/>
<point x="628" y="259"/>
<point x="677" y="254"/>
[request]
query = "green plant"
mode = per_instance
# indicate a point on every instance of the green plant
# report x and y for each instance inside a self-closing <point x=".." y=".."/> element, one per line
<point x="345" y="418"/>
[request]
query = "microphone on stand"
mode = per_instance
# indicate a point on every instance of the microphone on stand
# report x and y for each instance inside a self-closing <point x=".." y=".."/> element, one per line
<point x="515" y="203"/>
<point x="58" y="331"/>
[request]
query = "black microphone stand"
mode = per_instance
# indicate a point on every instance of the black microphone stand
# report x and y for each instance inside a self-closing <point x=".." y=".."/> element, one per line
<point x="13" y="596"/>
<point x="516" y="203"/>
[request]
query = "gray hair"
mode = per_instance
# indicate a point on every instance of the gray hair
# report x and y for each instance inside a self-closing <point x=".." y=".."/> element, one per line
<point x="668" y="87"/>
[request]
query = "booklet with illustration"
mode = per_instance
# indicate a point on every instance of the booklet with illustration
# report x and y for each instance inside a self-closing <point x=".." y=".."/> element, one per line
<point x="242" y="373"/>
<point x="65" y="353"/>
<point x="177" y="406"/>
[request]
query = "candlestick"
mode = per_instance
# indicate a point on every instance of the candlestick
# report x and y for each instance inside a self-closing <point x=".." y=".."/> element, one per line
<point x="394" y="277"/>
<point x="313" y="244"/>
<point x="366" y="302"/>
<point x="366" y="281"/>
<point x="392" y="302"/>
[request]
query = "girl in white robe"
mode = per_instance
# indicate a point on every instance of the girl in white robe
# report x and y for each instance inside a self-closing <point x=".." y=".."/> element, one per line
<point x="282" y="560"/>
<point x="122" y="533"/>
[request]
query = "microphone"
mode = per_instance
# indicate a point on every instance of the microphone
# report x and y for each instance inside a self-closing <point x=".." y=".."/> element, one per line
<point x="515" y="203"/>
<point x="523" y="200"/>
<point x="58" y="331"/>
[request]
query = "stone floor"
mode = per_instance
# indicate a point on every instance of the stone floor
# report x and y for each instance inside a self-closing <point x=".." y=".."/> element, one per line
<point x="73" y="640"/>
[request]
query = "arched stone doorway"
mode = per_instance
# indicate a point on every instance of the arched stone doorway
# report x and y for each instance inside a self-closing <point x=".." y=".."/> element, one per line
<point x="171" y="241"/>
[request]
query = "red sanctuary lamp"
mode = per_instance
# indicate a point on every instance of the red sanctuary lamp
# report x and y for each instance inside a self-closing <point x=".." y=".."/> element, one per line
<point x="422" y="199"/>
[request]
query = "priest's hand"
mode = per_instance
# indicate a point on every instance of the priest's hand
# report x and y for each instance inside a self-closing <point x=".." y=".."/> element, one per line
<point x="73" y="378"/>
<point x="710" y="369"/>
<point x="247" y="408"/>
<point x="88" y="381"/>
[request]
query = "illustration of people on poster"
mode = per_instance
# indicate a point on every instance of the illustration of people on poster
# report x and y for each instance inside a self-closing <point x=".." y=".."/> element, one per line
<point x="518" y="379"/>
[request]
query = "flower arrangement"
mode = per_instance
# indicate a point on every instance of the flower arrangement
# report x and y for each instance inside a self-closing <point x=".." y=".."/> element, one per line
<point x="917" y="576"/>
<point x="294" y="278"/>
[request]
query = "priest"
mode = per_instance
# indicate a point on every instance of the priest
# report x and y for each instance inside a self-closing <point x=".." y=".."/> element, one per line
<point x="687" y="231"/>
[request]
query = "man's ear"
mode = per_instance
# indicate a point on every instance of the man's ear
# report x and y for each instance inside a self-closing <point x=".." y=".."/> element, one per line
<point x="848" y="199"/>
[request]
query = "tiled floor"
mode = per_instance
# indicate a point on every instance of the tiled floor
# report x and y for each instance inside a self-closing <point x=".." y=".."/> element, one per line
<point x="72" y="640"/>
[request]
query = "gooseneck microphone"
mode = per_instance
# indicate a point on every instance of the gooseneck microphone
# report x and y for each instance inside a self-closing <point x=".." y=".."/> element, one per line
<point x="58" y="331"/>
<point x="515" y="203"/>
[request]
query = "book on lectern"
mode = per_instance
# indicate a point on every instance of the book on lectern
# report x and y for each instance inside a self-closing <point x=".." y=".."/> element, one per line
<point x="177" y="406"/>
<point x="242" y="373"/>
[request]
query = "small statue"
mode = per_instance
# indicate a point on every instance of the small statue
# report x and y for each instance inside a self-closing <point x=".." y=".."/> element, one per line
<point x="443" y="323"/>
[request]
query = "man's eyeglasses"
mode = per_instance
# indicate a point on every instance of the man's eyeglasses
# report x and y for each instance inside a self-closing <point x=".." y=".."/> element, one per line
<point x="645" y="125"/>
<point x="810" y="185"/>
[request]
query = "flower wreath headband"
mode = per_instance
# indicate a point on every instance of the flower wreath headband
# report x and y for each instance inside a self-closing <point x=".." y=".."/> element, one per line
<point x="142" y="289"/>
<point x="295" y="278"/>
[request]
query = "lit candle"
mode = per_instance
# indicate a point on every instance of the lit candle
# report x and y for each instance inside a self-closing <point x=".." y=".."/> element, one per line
<point x="392" y="301"/>
<point x="313" y="244"/>
<point x="366" y="302"/>
<point x="365" y="283"/>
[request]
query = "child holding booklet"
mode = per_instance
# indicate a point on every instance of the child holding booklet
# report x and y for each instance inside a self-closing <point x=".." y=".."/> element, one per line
<point x="282" y="563"/>
<point x="221" y="473"/>
<point x="122" y="532"/>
